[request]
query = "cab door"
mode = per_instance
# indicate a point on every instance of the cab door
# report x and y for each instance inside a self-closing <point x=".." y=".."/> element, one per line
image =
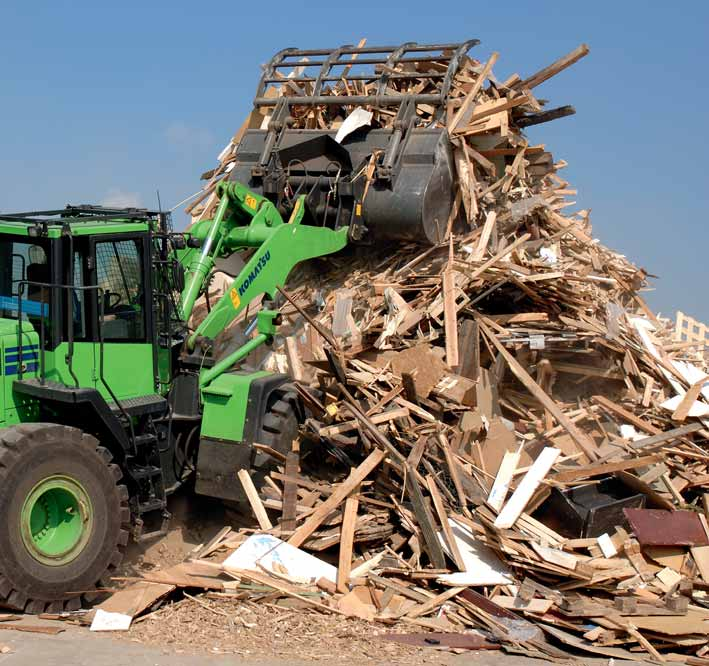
<point x="124" y="356"/>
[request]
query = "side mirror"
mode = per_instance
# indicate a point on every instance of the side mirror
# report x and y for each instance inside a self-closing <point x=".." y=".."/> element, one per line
<point x="194" y="242"/>
<point x="178" y="241"/>
<point x="178" y="276"/>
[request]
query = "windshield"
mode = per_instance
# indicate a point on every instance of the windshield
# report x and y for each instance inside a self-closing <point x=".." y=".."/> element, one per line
<point x="23" y="259"/>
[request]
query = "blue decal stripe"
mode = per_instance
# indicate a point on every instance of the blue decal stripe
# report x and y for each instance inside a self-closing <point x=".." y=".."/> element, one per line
<point x="11" y="370"/>
<point x="25" y="348"/>
<point x="27" y="356"/>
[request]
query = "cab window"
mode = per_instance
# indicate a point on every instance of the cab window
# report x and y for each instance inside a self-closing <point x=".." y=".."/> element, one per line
<point x="24" y="261"/>
<point x="119" y="274"/>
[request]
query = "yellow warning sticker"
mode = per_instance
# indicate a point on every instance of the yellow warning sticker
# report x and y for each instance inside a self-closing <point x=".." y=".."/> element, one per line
<point x="295" y="211"/>
<point x="235" y="300"/>
<point x="358" y="210"/>
<point x="250" y="202"/>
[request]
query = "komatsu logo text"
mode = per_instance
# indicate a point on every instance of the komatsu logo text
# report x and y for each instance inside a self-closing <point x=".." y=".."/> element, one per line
<point x="253" y="274"/>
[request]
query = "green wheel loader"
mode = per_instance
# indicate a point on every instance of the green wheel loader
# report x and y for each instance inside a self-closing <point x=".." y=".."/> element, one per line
<point x="108" y="401"/>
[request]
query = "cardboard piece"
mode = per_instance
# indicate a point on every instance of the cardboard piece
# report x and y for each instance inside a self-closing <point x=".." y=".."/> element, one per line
<point x="263" y="551"/>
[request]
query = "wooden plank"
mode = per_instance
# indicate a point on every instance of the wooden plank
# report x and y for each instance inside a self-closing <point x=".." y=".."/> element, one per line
<point x="434" y="603"/>
<point x="498" y="257"/>
<point x="584" y="443"/>
<point x="500" y="487"/>
<point x="626" y="415"/>
<point x="290" y="489"/>
<point x="469" y="349"/>
<point x="659" y="440"/>
<point x="700" y="554"/>
<point x="377" y="419"/>
<point x="254" y="500"/>
<point x="349" y="520"/>
<point x="553" y="69"/>
<point x="424" y="518"/>
<point x="657" y="527"/>
<point x="295" y="364"/>
<point x="484" y="240"/>
<point x="356" y="477"/>
<point x="521" y="496"/>
<point x="417" y="452"/>
<point x="443" y="520"/>
<point x="136" y="598"/>
<point x="450" y="318"/>
<point x="453" y="470"/>
<point x="33" y="629"/>
<point x="680" y="414"/>
<point x="467" y="105"/>
<point x="604" y="468"/>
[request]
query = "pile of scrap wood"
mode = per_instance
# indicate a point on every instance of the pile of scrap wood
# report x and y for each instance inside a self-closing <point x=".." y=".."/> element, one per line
<point x="503" y="437"/>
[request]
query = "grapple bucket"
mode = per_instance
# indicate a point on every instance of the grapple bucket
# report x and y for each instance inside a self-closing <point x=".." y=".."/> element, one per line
<point x="364" y="138"/>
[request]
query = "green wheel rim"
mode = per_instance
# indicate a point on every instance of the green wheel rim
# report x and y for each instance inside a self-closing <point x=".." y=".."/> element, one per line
<point x="56" y="521"/>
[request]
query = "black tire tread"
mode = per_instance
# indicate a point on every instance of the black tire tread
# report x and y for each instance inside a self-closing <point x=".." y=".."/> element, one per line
<point x="36" y="435"/>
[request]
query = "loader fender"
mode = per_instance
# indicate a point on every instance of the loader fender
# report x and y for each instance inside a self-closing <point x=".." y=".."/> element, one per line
<point x="235" y="405"/>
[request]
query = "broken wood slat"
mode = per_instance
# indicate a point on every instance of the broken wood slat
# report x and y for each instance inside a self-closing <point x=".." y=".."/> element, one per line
<point x="467" y="105"/>
<point x="472" y="274"/>
<point x="358" y="475"/>
<point x="33" y="629"/>
<point x="290" y="489"/>
<point x="500" y="487"/>
<point x="254" y="500"/>
<point x="434" y="603"/>
<point x="469" y="349"/>
<point x="521" y="496"/>
<point x="443" y="520"/>
<point x="346" y="540"/>
<point x="424" y="518"/>
<point x="377" y="419"/>
<point x="450" y="318"/>
<point x="553" y="69"/>
<point x="604" y="468"/>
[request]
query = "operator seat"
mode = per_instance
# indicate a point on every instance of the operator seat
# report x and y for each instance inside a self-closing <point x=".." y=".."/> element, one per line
<point x="38" y="273"/>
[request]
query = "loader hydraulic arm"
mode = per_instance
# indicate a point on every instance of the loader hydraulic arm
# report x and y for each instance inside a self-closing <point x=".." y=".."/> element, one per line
<point x="243" y="220"/>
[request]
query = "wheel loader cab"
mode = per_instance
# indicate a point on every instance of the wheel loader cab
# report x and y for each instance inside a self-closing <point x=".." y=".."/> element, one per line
<point x="76" y="306"/>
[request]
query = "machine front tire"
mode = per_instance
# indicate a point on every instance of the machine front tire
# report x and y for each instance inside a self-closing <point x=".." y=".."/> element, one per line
<point x="279" y="429"/>
<point x="65" y="517"/>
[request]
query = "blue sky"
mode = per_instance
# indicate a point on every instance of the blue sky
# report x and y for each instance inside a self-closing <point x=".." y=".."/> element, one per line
<point x="107" y="102"/>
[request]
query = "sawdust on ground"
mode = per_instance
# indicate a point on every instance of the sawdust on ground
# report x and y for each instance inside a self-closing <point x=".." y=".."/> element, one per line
<point x="266" y="631"/>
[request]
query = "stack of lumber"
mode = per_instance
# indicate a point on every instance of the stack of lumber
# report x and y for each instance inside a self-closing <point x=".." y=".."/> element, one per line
<point x="501" y="434"/>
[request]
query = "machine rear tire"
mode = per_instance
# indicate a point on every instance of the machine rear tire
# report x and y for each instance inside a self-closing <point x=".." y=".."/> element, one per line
<point x="48" y="472"/>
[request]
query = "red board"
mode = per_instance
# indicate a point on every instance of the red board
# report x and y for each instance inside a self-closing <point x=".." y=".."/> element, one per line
<point x="657" y="527"/>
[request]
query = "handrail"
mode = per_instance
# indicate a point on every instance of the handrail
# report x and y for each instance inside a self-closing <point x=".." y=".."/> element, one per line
<point x="70" y="338"/>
